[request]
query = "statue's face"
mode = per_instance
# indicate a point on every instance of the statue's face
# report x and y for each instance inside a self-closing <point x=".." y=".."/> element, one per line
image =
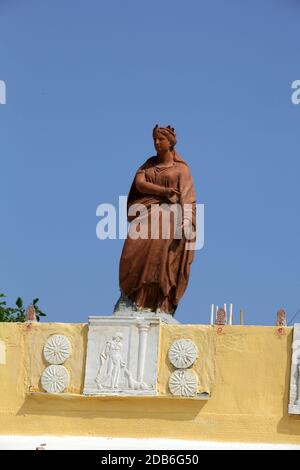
<point x="161" y="143"/>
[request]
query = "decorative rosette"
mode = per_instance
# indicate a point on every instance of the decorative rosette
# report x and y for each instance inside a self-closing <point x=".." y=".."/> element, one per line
<point x="183" y="353"/>
<point x="183" y="383"/>
<point x="55" y="379"/>
<point x="57" y="349"/>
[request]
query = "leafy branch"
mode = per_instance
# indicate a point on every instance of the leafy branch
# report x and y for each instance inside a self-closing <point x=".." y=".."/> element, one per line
<point x="17" y="313"/>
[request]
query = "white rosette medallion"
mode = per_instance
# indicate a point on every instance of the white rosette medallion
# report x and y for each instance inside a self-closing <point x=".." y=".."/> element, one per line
<point x="57" y="349"/>
<point x="183" y="353"/>
<point x="55" y="379"/>
<point x="183" y="383"/>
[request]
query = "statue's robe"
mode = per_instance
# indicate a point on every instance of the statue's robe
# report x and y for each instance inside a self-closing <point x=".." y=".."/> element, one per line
<point x="154" y="272"/>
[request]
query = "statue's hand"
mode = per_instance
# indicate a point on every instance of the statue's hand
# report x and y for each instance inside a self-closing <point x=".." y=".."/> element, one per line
<point x="171" y="194"/>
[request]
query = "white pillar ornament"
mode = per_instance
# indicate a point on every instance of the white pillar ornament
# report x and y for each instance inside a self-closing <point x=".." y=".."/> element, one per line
<point x="143" y="333"/>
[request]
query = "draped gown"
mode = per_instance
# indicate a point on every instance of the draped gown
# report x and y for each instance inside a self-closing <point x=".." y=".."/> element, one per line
<point x="154" y="272"/>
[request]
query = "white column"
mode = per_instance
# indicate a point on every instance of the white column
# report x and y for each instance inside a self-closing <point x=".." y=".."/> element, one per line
<point x="143" y="334"/>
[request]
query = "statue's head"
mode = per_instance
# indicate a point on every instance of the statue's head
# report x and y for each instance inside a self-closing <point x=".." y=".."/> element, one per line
<point x="118" y="336"/>
<point x="164" y="138"/>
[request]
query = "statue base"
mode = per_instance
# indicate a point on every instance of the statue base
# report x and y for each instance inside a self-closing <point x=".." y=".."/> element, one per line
<point x="126" y="308"/>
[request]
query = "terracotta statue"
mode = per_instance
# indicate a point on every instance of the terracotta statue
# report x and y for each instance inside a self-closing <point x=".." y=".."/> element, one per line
<point x="155" y="269"/>
<point x="281" y="318"/>
<point x="221" y="317"/>
<point x="30" y="314"/>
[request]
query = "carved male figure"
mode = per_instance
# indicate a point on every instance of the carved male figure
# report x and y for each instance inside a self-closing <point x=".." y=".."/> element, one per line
<point x="112" y="358"/>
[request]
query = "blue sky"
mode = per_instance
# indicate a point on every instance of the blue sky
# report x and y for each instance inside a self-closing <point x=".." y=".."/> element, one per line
<point x="86" y="82"/>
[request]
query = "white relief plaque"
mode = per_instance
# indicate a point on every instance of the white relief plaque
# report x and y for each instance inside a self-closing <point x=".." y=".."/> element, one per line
<point x="57" y="349"/>
<point x="294" y="398"/>
<point x="182" y="353"/>
<point x="122" y="355"/>
<point x="55" y="379"/>
<point x="183" y="383"/>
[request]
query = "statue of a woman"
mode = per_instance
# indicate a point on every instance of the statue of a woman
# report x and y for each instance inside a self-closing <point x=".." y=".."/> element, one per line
<point x="154" y="269"/>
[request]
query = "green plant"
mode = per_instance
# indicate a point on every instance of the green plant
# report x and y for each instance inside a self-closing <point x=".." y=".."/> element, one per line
<point x="17" y="313"/>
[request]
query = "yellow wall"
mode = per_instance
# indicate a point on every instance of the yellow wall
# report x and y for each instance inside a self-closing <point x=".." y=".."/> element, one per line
<point x="246" y="369"/>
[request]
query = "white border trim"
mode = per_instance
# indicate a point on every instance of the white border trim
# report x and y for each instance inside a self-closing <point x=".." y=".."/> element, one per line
<point x="106" y="443"/>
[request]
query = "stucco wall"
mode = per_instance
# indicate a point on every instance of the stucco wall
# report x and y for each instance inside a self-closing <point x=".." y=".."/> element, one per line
<point x="246" y="369"/>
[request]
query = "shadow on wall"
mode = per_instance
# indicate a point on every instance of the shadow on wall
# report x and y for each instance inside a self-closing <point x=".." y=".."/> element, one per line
<point x="129" y="408"/>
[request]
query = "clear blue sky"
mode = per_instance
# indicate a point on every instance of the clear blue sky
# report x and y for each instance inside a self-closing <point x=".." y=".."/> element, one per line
<point x="86" y="82"/>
